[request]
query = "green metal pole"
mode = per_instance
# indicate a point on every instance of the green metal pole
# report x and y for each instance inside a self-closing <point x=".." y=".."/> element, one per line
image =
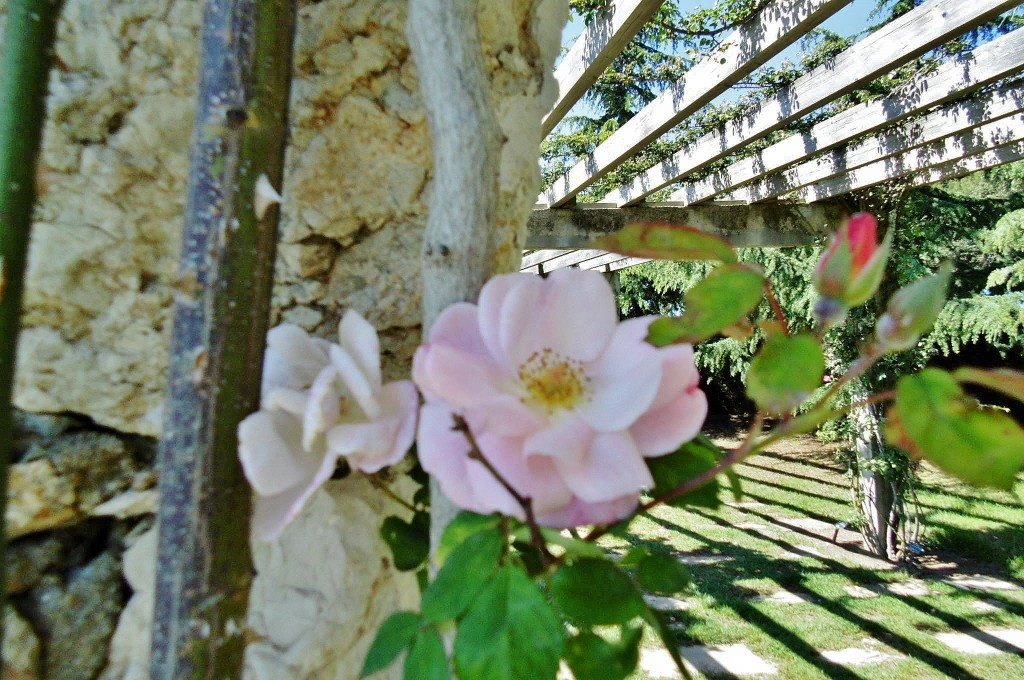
<point x="221" y="315"/>
<point x="24" y="73"/>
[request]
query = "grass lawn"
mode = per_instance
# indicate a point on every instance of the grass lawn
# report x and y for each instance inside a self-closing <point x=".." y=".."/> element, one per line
<point x="780" y="539"/>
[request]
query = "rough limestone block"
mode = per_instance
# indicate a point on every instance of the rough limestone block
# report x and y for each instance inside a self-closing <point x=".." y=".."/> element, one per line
<point x="20" y="648"/>
<point x="320" y="593"/>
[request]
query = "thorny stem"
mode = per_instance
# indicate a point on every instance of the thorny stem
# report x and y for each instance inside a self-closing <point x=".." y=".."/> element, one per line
<point x="475" y="453"/>
<point x="776" y="307"/>
<point x="379" y="483"/>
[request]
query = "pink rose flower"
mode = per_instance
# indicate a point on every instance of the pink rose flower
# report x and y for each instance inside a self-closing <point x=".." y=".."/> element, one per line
<point x="320" y="401"/>
<point x="564" y="401"/>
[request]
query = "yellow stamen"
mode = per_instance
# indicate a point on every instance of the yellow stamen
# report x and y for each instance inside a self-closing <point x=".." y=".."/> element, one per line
<point x="553" y="382"/>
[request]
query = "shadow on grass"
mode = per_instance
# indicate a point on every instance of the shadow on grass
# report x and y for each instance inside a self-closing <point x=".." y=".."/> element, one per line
<point x="790" y="489"/>
<point x="810" y="478"/>
<point x="717" y="581"/>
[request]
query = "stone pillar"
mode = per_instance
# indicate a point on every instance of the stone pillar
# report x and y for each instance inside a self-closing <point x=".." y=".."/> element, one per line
<point x="101" y="276"/>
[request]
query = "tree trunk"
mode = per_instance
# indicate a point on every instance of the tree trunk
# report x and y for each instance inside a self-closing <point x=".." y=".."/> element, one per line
<point x="877" y="494"/>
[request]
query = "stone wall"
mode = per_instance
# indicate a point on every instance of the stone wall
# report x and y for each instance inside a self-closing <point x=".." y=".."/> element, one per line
<point x="101" y="287"/>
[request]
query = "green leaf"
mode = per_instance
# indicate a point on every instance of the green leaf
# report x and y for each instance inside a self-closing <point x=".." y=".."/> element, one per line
<point x="667" y="242"/>
<point x="573" y="547"/>
<point x="680" y="466"/>
<point x="462" y="526"/>
<point x="1003" y="380"/>
<point x="464" y="574"/>
<point x="723" y="299"/>
<point x="591" y="657"/>
<point x="934" y="419"/>
<point x="409" y="542"/>
<point x="663" y="574"/>
<point x="394" y="635"/>
<point x="634" y="556"/>
<point x="785" y="371"/>
<point x="595" y="592"/>
<point x="659" y="622"/>
<point x="510" y="632"/>
<point x="426" y="659"/>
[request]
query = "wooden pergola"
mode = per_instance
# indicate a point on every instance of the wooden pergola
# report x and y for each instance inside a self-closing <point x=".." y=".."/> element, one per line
<point x="966" y="115"/>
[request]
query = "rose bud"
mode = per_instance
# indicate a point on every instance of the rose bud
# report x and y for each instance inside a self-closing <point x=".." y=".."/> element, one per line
<point x="851" y="268"/>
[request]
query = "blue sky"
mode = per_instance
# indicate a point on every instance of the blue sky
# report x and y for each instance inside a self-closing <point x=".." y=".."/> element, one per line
<point x="848" y="21"/>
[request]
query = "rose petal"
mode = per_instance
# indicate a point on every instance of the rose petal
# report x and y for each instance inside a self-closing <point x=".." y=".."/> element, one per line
<point x="678" y="373"/>
<point x="355" y="381"/>
<point x="491" y="317"/>
<point x="562" y="322"/>
<point x="401" y="400"/>
<point x="612" y="468"/>
<point x="271" y="453"/>
<point x="444" y="453"/>
<point x="287" y="400"/>
<point x="535" y="478"/>
<point x="357" y="337"/>
<point x="458" y="327"/>
<point x="322" y="408"/>
<point x="508" y="416"/>
<point x="459" y="378"/>
<point x="579" y="513"/>
<point x="624" y="382"/>
<point x="271" y="514"/>
<point x="665" y="429"/>
<point x="293" y="359"/>
<point x="569" y="437"/>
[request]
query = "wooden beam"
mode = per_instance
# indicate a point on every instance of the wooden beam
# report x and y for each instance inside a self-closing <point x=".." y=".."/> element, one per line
<point x="965" y="166"/>
<point x="774" y="225"/>
<point x="988" y="63"/>
<point x="892" y="45"/>
<point x="553" y="259"/>
<point x="766" y="34"/>
<point x="594" y="50"/>
<point x="953" y="148"/>
<point x="946" y="121"/>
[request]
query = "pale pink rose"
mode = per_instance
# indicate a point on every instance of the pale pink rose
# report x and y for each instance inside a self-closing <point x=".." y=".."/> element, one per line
<point x="320" y="401"/>
<point x="564" y="401"/>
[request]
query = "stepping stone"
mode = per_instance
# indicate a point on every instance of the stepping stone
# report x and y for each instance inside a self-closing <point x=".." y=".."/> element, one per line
<point x="1006" y="639"/>
<point x="855" y="656"/>
<point x="783" y="597"/>
<point x="752" y="526"/>
<point x="909" y="588"/>
<point x="667" y="604"/>
<point x="703" y="559"/>
<point x="860" y="592"/>
<point x="745" y="504"/>
<point x="730" y="660"/>
<point x="987" y="606"/>
<point x="800" y="552"/>
<point x="980" y="582"/>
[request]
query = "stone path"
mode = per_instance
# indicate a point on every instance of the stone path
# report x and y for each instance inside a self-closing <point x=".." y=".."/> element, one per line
<point x="984" y="641"/>
<point x="731" y="660"/>
<point x="859" y="656"/>
<point x="805" y="537"/>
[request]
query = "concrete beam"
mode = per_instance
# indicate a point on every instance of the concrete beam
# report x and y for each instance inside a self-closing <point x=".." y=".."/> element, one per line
<point x="774" y="225"/>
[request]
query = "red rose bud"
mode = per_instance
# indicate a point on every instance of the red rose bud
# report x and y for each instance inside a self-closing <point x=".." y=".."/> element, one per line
<point x="852" y="266"/>
<point x="913" y="310"/>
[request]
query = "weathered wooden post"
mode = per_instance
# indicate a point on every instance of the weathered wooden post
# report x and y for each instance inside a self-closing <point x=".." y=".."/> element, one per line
<point x="204" y="566"/>
<point x="27" y="54"/>
<point x="459" y="247"/>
